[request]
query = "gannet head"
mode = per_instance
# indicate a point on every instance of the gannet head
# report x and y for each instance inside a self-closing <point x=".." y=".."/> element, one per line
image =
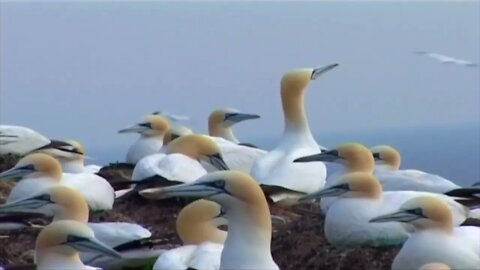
<point x="298" y="79"/>
<point x="199" y="147"/>
<point x="388" y="155"/>
<point x="35" y="165"/>
<point x="435" y="266"/>
<point x="69" y="150"/>
<point x="357" y="184"/>
<point x="422" y="212"/>
<point x="59" y="201"/>
<point x="354" y="156"/>
<point x="68" y="237"/>
<point x="200" y="214"/>
<point x="176" y="132"/>
<point x="151" y="125"/>
<point x="225" y="118"/>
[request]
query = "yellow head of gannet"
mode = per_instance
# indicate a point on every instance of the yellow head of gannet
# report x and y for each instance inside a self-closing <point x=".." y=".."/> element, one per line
<point x="59" y="243"/>
<point x="422" y="212"/>
<point x="59" y="201"/>
<point x="151" y="125"/>
<point x="199" y="147"/>
<point x="388" y="155"/>
<point x="220" y="122"/>
<point x="435" y="266"/>
<point x="35" y="165"/>
<point x="355" y="157"/>
<point x="176" y="132"/>
<point x="357" y="184"/>
<point x="198" y="222"/>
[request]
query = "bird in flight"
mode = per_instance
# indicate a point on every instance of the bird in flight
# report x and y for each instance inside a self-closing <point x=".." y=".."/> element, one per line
<point x="447" y="59"/>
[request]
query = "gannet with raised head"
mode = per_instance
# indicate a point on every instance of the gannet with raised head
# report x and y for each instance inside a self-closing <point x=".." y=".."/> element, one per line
<point x="197" y="226"/>
<point x="65" y="203"/>
<point x="435" y="238"/>
<point x="357" y="158"/>
<point x="181" y="161"/>
<point x="38" y="171"/>
<point x="58" y="245"/>
<point x="249" y="223"/>
<point x="151" y="129"/>
<point x="221" y="121"/>
<point x="276" y="172"/>
<point x="71" y="155"/>
<point x="359" y="199"/>
<point x="434" y="266"/>
<point x="20" y="140"/>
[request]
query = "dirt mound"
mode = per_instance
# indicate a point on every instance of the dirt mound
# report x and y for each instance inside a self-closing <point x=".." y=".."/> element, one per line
<point x="299" y="244"/>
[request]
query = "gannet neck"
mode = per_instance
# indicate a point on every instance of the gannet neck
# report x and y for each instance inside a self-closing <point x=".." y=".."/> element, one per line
<point x="72" y="165"/>
<point x="222" y="132"/>
<point x="388" y="155"/>
<point x="55" y="258"/>
<point x="197" y="232"/>
<point x="294" y="110"/>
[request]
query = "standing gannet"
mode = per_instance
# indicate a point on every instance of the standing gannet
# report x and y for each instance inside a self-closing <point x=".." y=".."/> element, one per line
<point x="197" y="226"/>
<point x="58" y="246"/>
<point x="38" y="171"/>
<point x="435" y="238"/>
<point x="221" y="121"/>
<point x="20" y="140"/>
<point x="151" y="129"/>
<point x="356" y="157"/>
<point x="276" y="172"/>
<point x="71" y="155"/>
<point x="434" y="266"/>
<point x="65" y="203"/>
<point x="181" y="161"/>
<point x="249" y="223"/>
<point x="359" y="199"/>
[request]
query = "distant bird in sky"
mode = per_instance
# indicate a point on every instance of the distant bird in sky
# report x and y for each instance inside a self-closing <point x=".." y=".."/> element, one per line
<point x="447" y="59"/>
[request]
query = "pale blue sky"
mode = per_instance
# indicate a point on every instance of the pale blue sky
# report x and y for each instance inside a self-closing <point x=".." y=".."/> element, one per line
<point x="86" y="70"/>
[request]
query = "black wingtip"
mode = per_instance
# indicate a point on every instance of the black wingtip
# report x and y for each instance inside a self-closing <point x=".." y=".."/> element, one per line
<point x="471" y="222"/>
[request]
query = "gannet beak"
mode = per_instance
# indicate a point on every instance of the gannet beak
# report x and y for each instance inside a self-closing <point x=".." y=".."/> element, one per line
<point x="137" y="128"/>
<point x="239" y="117"/>
<point x="217" y="161"/>
<point x="17" y="172"/>
<point x="376" y="156"/>
<point x="326" y="192"/>
<point x="30" y="205"/>
<point x="58" y="145"/>
<point x="327" y="156"/>
<point x="319" y="71"/>
<point x="198" y="190"/>
<point x="92" y="245"/>
<point x="399" y="216"/>
<point x="278" y="220"/>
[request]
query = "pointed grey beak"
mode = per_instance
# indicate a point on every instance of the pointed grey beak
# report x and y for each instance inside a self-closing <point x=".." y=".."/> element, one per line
<point x="137" y="128"/>
<point x="218" y="162"/>
<point x="334" y="191"/>
<point x="17" y="172"/>
<point x="239" y="117"/>
<point x="399" y="216"/>
<point x="197" y="190"/>
<point x="321" y="70"/>
<point x="57" y="148"/>
<point x="30" y="205"/>
<point x="92" y="245"/>
<point x="327" y="156"/>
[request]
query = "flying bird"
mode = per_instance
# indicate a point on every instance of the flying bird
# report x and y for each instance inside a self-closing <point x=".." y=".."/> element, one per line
<point x="447" y="59"/>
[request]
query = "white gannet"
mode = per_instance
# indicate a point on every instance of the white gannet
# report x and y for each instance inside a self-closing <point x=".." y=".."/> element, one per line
<point x="357" y="158"/>
<point x="221" y="121"/>
<point x="20" y="140"/>
<point x="435" y="238"/>
<point x="434" y="266"/>
<point x="65" y="203"/>
<point x="151" y="129"/>
<point x="39" y="170"/>
<point x="249" y="223"/>
<point x="181" y="162"/>
<point x="71" y="155"/>
<point x="359" y="199"/>
<point x="197" y="226"/>
<point x="58" y="245"/>
<point x="447" y="59"/>
<point x="275" y="171"/>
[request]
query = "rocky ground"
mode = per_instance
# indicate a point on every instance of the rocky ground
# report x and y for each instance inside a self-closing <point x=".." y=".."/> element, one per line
<point x="299" y="244"/>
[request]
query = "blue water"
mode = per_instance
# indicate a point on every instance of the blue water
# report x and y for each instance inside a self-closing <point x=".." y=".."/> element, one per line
<point x="452" y="152"/>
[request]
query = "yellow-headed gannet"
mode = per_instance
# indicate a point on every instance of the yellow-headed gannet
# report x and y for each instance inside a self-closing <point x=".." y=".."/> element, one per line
<point x="221" y="121"/>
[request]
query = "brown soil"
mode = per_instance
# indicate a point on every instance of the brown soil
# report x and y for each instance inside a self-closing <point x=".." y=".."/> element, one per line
<point x="299" y="244"/>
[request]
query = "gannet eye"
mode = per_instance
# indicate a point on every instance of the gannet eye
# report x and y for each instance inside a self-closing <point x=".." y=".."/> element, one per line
<point x="228" y="115"/>
<point x="219" y="184"/>
<point x="416" y="211"/>
<point x="147" y="125"/>
<point x="44" y="197"/>
<point x="74" y="238"/>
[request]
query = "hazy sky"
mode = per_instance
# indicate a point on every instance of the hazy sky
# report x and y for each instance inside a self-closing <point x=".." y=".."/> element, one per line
<point x="86" y="70"/>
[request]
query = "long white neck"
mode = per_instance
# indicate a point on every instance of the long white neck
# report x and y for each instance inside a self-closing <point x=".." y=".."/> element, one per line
<point x="54" y="260"/>
<point x="72" y="165"/>
<point x="248" y="242"/>
<point x="227" y="134"/>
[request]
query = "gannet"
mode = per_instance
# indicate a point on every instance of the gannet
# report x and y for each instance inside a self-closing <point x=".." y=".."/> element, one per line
<point x="20" y="140"/>
<point x="38" y="171"/>
<point x="434" y="266"/>
<point x="276" y="172"/>
<point x="151" y="129"/>
<point x="435" y="238"/>
<point x="173" y="133"/>
<point x="359" y="199"/>
<point x="249" y="226"/>
<point x="181" y="161"/>
<point x="71" y="155"/>
<point x="58" y="245"/>
<point x="221" y="121"/>
<point x="65" y="203"/>
<point x="447" y="59"/>
<point x="356" y="157"/>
